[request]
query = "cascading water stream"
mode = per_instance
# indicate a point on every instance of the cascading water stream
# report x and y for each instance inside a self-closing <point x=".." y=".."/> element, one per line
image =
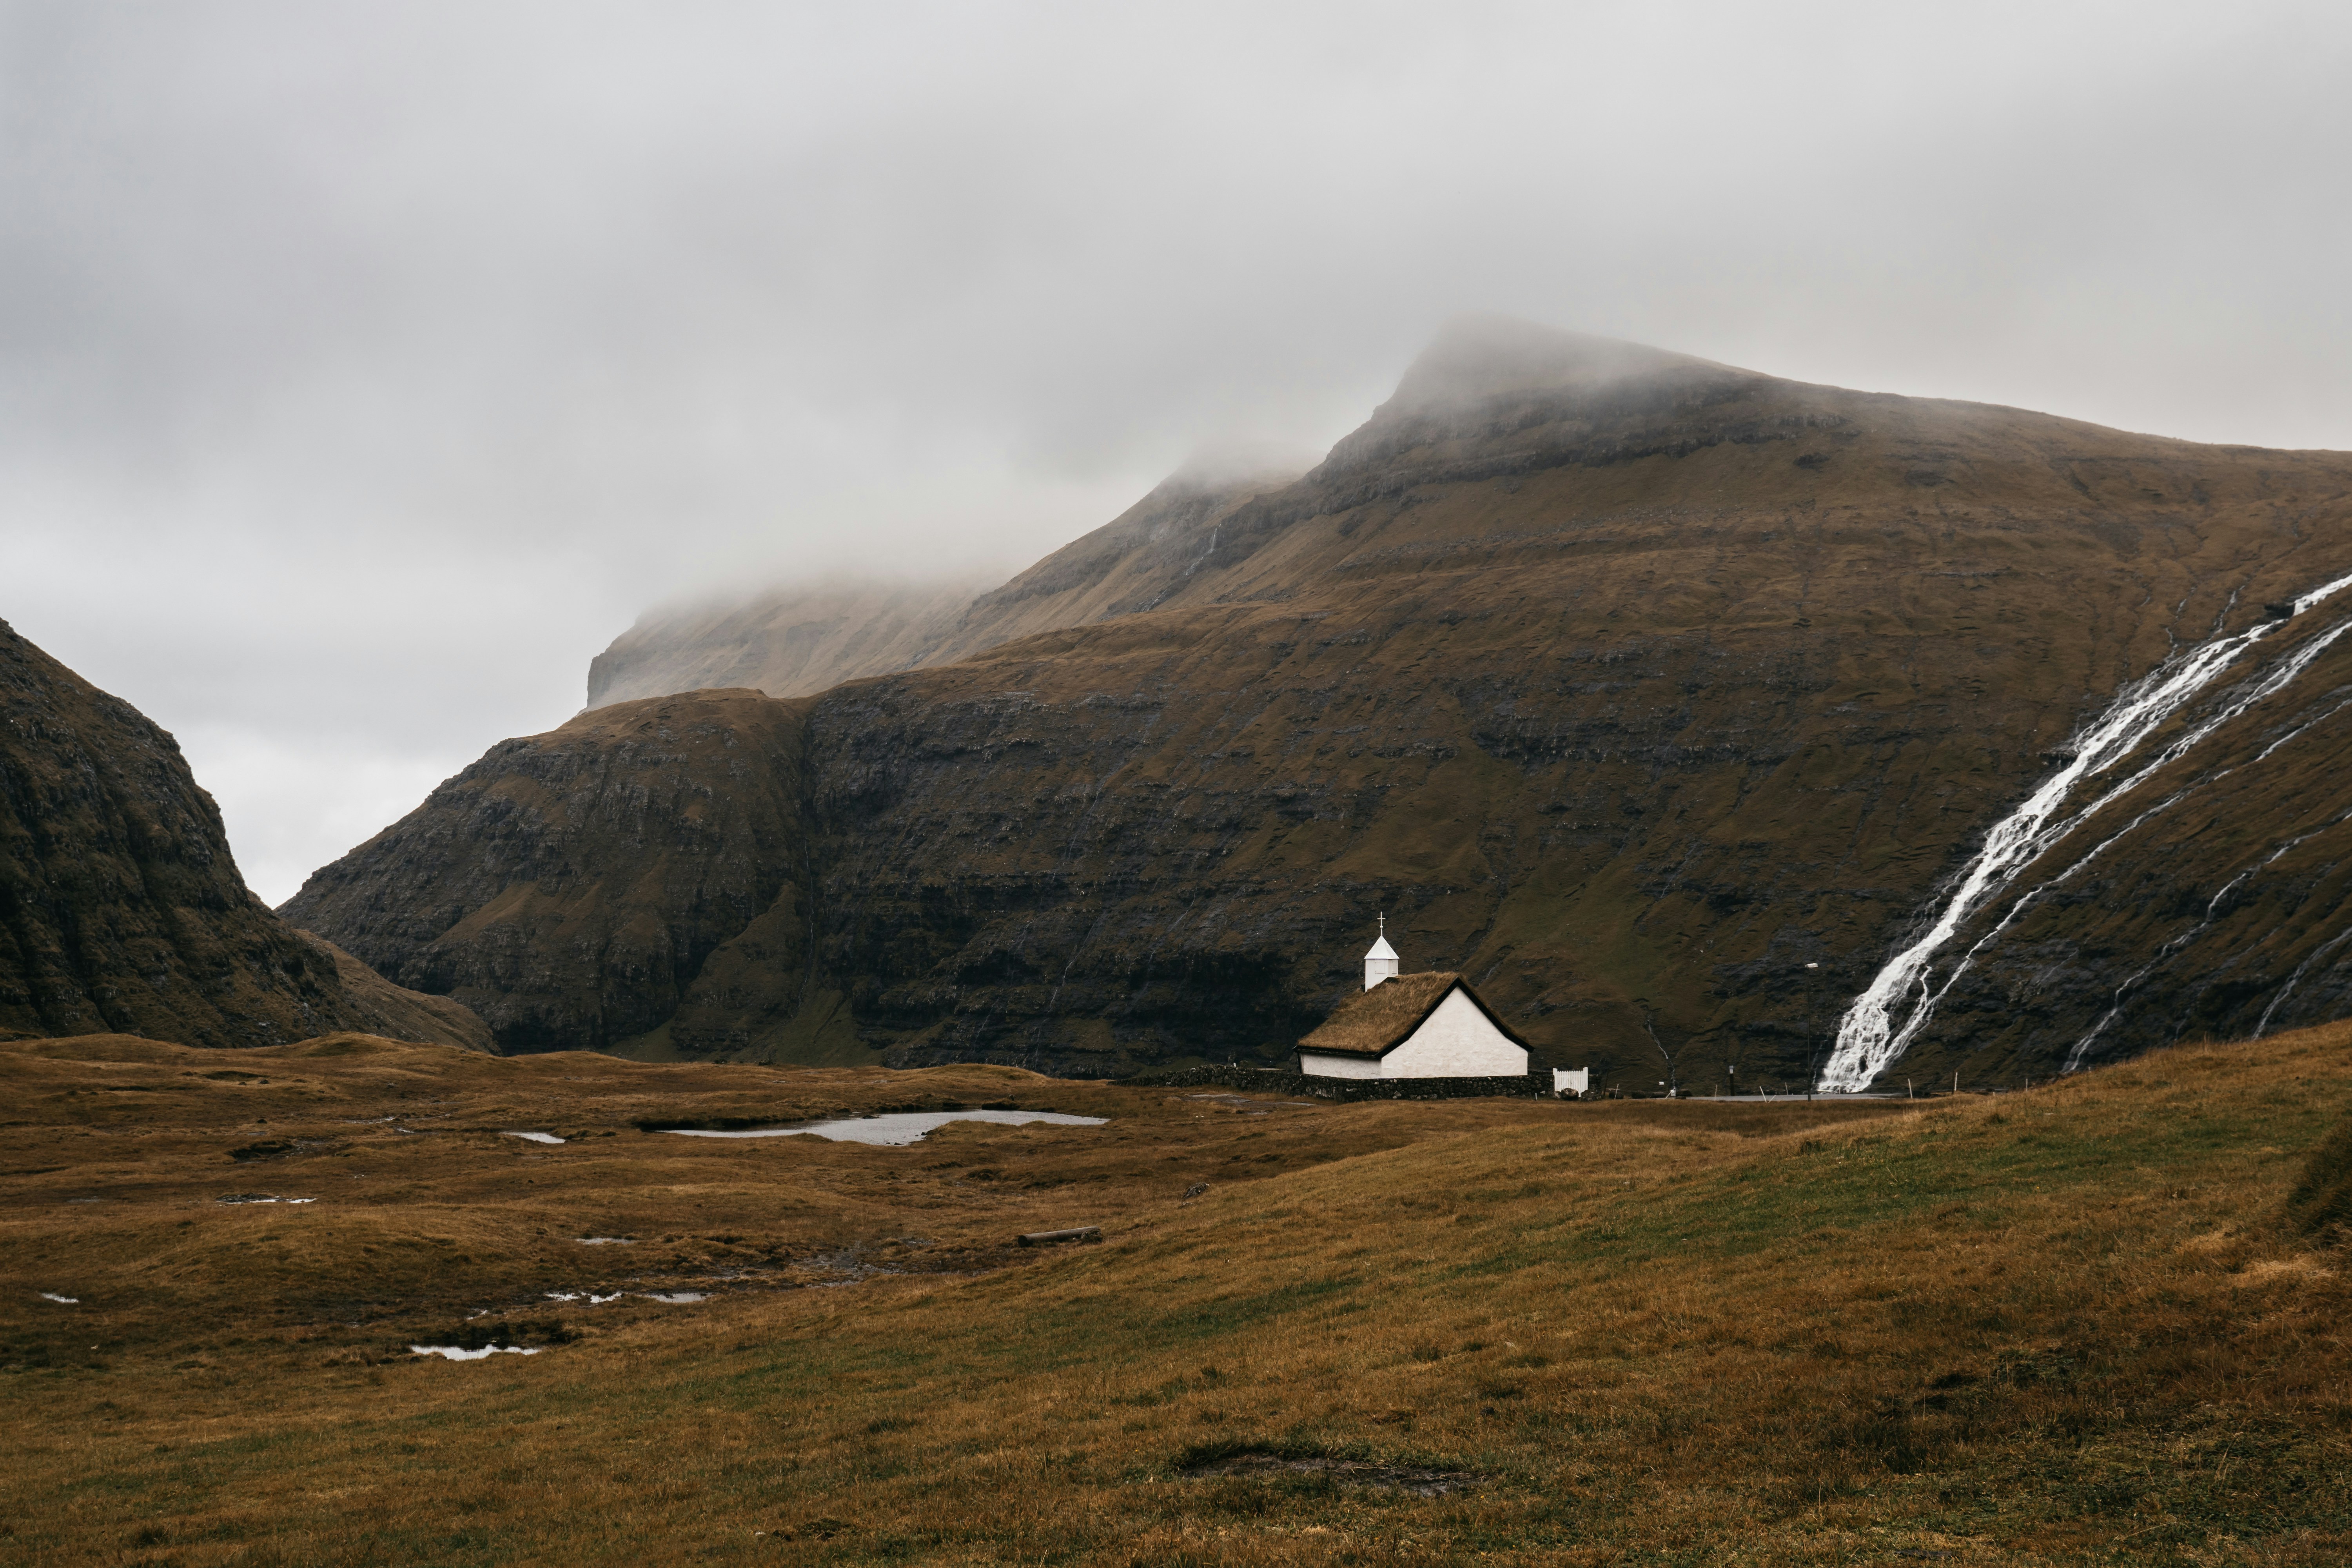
<point x="1869" y="1037"/>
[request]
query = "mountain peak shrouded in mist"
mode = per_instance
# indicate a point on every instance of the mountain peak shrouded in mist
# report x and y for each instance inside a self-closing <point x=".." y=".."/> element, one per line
<point x="1657" y="693"/>
<point x="1476" y="358"/>
<point x="795" y="641"/>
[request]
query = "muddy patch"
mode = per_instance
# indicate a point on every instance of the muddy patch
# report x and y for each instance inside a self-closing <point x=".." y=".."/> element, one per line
<point x="1235" y="1103"/>
<point x="261" y="1198"/>
<point x="1359" y="1473"/>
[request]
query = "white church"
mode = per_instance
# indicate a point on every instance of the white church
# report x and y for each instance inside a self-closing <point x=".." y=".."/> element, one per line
<point x="1412" y="1026"/>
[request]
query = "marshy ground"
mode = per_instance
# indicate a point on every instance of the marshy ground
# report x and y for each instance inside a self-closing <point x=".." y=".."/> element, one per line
<point x="2068" y="1326"/>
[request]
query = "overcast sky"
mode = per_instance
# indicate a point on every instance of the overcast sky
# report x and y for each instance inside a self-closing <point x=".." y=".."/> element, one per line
<point x="364" y="368"/>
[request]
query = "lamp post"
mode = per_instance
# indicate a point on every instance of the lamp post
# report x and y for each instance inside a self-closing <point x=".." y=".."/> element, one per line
<point x="1813" y="1055"/>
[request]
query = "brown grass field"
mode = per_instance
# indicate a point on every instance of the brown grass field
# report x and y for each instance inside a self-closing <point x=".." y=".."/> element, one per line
<point x="2067" y="1326"/>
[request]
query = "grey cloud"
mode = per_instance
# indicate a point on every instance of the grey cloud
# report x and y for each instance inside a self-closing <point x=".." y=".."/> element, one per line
<point x="363" y="368"/>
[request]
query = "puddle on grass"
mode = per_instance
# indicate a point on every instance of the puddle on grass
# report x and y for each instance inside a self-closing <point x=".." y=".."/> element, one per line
<point x="61" y="1300"/>
<point x="678" y="1297"/>
<point x="608" y="1241"/>
<point x="590" y="1297"/>
<point x="1346" y="1472"/>
<point x="900" y="1127"/>
<point x="261" y="1198"/>
<point x="535" y="1137"/>
<point x="459" y="1353"/>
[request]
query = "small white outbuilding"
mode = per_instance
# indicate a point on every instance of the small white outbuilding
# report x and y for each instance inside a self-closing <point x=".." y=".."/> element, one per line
<point x="1412" y="1026"/>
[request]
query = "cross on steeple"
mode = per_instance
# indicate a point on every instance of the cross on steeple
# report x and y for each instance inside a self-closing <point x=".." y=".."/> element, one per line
<point x="1382" y="962"/>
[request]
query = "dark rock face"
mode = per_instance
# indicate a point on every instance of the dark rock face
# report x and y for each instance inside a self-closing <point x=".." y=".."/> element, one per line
<point x="120" y="907"/>
<point x="1628" y="685"/>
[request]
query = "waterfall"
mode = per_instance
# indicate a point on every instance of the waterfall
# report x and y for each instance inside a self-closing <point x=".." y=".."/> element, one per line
<point x="1869" y="1039"/>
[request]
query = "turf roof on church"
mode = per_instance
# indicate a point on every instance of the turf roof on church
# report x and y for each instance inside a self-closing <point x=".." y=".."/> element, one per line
<point x="1375" y="1022"/>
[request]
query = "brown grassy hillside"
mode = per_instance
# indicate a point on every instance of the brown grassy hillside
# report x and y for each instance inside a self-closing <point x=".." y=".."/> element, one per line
<point x="120" y="907"/>
<point x="2064" y="1326"/>
<point x="787" y="643"/>
<point x="797" y="641"/>
<point x="1629" y="684"/>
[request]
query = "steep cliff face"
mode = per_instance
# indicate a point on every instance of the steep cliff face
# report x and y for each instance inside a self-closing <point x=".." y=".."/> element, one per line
<point x="1628" y="684"/>
<point x="120" y="907"/>
<point x="2194" y="889"/>
<point x="794" y="642"/>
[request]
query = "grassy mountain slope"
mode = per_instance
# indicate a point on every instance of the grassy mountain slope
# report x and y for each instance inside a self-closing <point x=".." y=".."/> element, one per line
<point x="1629" y="684"/>
<point x="787" y="643"/>
<point x="794" y="642"/>
<point x="120" y="907"/>
<point x="2065" y="1327"/>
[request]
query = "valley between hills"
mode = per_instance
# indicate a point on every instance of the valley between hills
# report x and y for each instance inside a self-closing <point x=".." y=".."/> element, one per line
<point x="1707" y="722"/>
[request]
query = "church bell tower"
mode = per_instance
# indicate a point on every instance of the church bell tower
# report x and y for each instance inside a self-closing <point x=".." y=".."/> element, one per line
<point x="1380" y="962"/>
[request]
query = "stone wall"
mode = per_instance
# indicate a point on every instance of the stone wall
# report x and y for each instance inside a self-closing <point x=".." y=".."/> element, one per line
<point x="1270" y="1080"/>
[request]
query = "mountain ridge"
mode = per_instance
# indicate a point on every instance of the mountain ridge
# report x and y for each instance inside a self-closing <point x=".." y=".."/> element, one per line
<point x="1629" y="694"/>
<point x="796" y="642"/>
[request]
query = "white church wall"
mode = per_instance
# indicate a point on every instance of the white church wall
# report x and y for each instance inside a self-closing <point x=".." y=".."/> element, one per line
<point x="1323" y="1066"/>
<point x="1457" y="1041"/>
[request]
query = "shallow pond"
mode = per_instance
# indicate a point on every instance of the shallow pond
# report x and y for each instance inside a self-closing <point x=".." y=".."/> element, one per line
<point x="537" y="1137"/>
<point x="457" y="1352"/>
<point x="898" y="1127"/>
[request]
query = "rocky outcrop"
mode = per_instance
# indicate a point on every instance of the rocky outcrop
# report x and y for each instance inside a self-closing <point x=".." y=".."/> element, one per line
<point x="122" y="910"/>
<point x="1657" y="696"/>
